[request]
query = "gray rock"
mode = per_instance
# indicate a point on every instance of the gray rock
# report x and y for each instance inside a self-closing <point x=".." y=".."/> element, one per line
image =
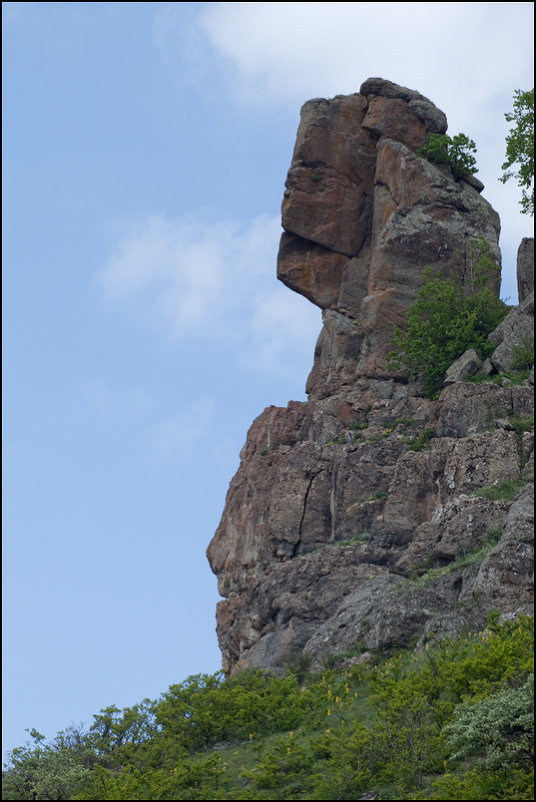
<point x="467" y="365"/>
<point x="513" y="332"/>
<point x="473" y="181"/>
<point x="505" y="579"/>
<point x="525" y="268"/>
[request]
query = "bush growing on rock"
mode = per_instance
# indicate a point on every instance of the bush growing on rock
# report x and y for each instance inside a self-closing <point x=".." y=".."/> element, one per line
<point x="448" y="317"/>
<point x="456" y="152"/>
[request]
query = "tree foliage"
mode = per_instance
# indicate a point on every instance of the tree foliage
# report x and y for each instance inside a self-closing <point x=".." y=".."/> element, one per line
<point x="449" y="316"/>
<point x="456" y="152"/>
<point x="520" y="148"/>
<point x="60" y="770"/>
<point x="501" y="726"/>
<point x="449" y="721"/>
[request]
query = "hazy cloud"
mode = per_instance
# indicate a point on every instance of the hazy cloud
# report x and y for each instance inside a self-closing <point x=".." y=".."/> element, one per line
<point x="468" y="58"/>
<point x="177" y="435"/>
<point x="103" y="400"/>
<point x="300" y="49"/>
<point x="199" y="280"/>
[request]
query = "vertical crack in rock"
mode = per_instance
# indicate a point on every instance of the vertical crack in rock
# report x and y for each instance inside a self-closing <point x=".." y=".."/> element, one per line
<point x="333" y="503"/>
<point x="312" y="477"/>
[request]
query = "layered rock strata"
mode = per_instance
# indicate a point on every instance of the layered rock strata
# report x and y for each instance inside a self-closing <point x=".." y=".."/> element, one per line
<point x="354" y="520"/>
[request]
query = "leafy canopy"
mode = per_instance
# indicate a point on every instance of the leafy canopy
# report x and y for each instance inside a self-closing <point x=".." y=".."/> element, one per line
<point x="520" y="148"/>
<point x="451" y="720"/>
<point x="448" y="317"/>
<point x="456" y="151"/>
<point x="501" y="725"/>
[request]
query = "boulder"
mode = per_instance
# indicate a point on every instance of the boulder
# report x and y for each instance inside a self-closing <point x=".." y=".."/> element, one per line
<point x="515" y="332"/>
<point x="467" y="365"/>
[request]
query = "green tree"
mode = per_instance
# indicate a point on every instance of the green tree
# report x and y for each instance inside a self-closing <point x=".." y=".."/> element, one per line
<point x="456" y="151"/>
<point x="501" y="726"/>
<point x="520" y="148"/>
<point x="60" y="770"/>
<point x="448" y="317"/>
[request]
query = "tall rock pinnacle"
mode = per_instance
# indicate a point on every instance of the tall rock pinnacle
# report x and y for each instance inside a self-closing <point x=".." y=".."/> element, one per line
<point x="337" y="499"/>
<point x="364" y="215"/>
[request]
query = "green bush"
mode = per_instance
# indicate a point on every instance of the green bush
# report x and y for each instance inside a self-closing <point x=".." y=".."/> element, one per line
<point x="422" y="440"/>
<point x="404" y="726"/>
<point x="449" y="316"/>
<point x="456" y="152"/>
<point x="501" y="725"/>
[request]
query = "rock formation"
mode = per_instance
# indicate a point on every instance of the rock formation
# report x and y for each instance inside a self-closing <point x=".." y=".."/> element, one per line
<point x="352" y="522"/>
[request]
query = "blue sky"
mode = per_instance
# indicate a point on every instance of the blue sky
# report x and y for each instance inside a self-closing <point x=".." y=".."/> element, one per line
<point x="145" y="150"/>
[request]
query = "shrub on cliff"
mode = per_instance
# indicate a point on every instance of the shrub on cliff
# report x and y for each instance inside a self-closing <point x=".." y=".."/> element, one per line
<point x="456" y="151"/>
<point x="449" y="316"/>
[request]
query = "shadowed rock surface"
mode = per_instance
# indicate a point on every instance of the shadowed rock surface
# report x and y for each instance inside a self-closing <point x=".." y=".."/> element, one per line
<point x="352" y="522"/>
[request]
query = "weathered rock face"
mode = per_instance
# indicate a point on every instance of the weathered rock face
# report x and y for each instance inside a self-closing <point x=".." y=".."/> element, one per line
<point x="525" y="268"/>
<point x="342" y="502"/>
<point x="517" y="329"/>
<point x="364" y="215"/>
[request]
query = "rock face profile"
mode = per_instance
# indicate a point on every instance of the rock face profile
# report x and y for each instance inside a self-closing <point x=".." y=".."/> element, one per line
<point x="369" y="516"/>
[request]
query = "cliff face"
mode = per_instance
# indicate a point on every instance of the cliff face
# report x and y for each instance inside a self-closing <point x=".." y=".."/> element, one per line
<point x="341" y="502"/>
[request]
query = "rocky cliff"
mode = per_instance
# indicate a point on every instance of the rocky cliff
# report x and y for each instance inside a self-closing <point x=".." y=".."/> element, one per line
<point x="355" y="519"/>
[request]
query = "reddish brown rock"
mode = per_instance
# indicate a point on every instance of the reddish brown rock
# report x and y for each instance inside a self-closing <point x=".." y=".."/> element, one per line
<point x="393" y="118"/>
<point x="339" y="501"/>
<point x="433" y="118"/>
<point x="327" y="198"/>
<point x="416" y="216"/>
<point x="311" y="270"/>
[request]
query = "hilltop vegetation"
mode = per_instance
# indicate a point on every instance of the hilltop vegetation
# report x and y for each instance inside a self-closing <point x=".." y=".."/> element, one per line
<point x="449" y="720"/>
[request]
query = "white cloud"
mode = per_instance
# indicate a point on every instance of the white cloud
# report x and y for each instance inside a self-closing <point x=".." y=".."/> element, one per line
<point x="104" y="400"/>
<point x="203" y="281"/>
<point x="176" y="436"/>
<point x="468" y="58"/>
<point x="296" y="50"/>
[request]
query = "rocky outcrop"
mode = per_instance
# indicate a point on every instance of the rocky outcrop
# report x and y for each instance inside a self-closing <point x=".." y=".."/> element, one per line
<point x="360" y="519"/>
<point x="364" y="215"/>
<point x="515" y="334"/>
<point x="525" y="268"/>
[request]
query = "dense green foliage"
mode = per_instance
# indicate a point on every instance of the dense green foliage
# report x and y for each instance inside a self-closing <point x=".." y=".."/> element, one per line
<point x="449" y="316"/>
<point x="451" y="720"/>
<point x="456" y="152"/>
<point x="520" y="148"/>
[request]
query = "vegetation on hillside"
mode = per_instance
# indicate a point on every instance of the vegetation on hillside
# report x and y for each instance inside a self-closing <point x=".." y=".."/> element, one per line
<point x="451" y="720"/>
